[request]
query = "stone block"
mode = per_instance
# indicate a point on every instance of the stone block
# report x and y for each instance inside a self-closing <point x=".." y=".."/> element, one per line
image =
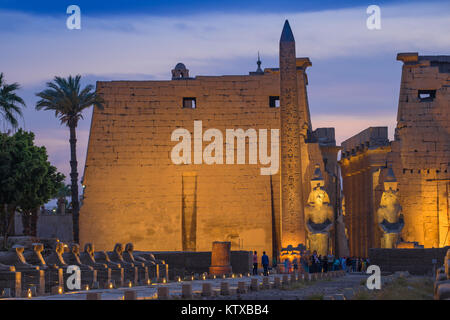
<point x="266" y="283"/>
<point x="163" y="293"/>
<point x="207" y="289"/>
<point x="254" y="284"/>
<point x="277" y="282"/>
<point x="242" y="287"/>
<point x="285" y="280"/>
<point x="224" y="288"/>
<point x="186" y="291"/>
<point x="130" y="295"/>
<point x="94" y="296"/>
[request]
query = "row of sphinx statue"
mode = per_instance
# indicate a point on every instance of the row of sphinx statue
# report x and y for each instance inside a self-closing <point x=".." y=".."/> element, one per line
<point x="21" y="269"/>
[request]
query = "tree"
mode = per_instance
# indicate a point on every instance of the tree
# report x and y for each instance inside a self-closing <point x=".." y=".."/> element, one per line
<point x="66" y="98"/>
<point x="10" y="102"/>
<point x="45" y="190"/>
<point x="27" y="179"/>
<point x="63" y="193"/>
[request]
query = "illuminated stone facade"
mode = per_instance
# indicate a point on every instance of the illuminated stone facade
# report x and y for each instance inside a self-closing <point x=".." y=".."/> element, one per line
<point x="419" y="157"/>
<point x="421" y="150"/>
<point x="135" y="193"/>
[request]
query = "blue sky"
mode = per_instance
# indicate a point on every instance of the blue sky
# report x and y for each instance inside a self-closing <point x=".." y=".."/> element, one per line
<point x="175" y="8"/>
<point x="353" y="82"/>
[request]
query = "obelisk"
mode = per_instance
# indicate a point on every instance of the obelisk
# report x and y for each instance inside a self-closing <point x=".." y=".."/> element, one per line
<point x="292" y="211"/>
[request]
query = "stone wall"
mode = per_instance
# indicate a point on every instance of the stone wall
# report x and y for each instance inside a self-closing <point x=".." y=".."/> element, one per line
<point x="133" y="191"/>
<point x="363" y="157"/>
<point x="415" y="261"/>
<point x="421" y="150"/>
<point x="50" y="226"/>
<point x="419" y="157"/>
<point x="185" y="263"/>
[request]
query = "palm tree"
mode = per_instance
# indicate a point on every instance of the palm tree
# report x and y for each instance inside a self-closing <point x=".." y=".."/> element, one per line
<point x="10" y="102"/>
<point x="63" y="193"/>
<point x="66" y="98"/>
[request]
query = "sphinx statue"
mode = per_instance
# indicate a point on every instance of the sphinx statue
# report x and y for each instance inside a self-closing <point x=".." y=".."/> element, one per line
<point x="318" y="215"/>
<point x="390" y="218"/>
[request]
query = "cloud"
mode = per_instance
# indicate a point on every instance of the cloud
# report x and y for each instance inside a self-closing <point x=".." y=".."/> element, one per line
<point x="151" y="44"/>
<point x="353" y="83"/>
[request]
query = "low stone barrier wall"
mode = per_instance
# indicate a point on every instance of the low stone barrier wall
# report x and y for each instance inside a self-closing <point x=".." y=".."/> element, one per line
<point x="182" y="263"/>
<point x="415" y="261"/>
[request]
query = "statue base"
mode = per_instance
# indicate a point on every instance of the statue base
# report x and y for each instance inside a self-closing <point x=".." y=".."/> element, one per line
<point x="318" y="242"/>
<point x="220" y="270"/>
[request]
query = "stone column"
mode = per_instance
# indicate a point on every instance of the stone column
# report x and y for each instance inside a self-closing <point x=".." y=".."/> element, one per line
<point x="292" y="217"/>
<point x="220" y="258"/>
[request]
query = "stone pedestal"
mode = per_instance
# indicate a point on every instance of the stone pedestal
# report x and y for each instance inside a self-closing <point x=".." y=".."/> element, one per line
<point x="224" y="289"/>
<point x="220" y="258"/>
<point x="94" y="296"/>
<point x="163" y="293"/>
<point x="11" y="280"/>
<point x="207" y="289"/>
<point x="130" y="295"/>
<point x="186" y="291"/>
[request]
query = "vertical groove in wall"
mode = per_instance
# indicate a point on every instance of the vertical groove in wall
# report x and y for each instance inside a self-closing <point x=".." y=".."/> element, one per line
<point x="189" y="211"/>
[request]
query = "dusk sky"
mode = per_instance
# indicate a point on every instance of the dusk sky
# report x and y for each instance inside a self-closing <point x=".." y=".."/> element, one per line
<point x="353" y="82"/>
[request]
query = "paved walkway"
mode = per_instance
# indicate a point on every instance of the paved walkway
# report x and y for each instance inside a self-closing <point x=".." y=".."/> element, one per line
<point x="319" y="287"/>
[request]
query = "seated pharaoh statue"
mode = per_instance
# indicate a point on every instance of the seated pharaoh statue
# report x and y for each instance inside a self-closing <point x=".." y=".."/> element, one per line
<point x="318" y="215"/>
<point x="390" y="218"/>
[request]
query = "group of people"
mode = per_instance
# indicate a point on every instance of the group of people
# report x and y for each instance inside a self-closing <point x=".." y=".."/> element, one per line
<point x="313" y="263"/>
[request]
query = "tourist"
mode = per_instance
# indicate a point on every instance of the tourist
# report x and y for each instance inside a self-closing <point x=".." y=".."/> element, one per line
<point x="323" y="263"/>
<point x="304" y="262"/>
<point x="295" y="263"/>
<point x="330" y="261"/>
<point x="265" y="263"/>
<point x="286" y="266"/>
<point x="255" y="263"/>
<point x="344" y="263"/>
<point x="314" y="262"/>
<point x="336" y="264"/>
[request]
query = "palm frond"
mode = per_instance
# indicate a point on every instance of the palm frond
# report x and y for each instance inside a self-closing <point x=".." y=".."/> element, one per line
<point x="67" y="99"/>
